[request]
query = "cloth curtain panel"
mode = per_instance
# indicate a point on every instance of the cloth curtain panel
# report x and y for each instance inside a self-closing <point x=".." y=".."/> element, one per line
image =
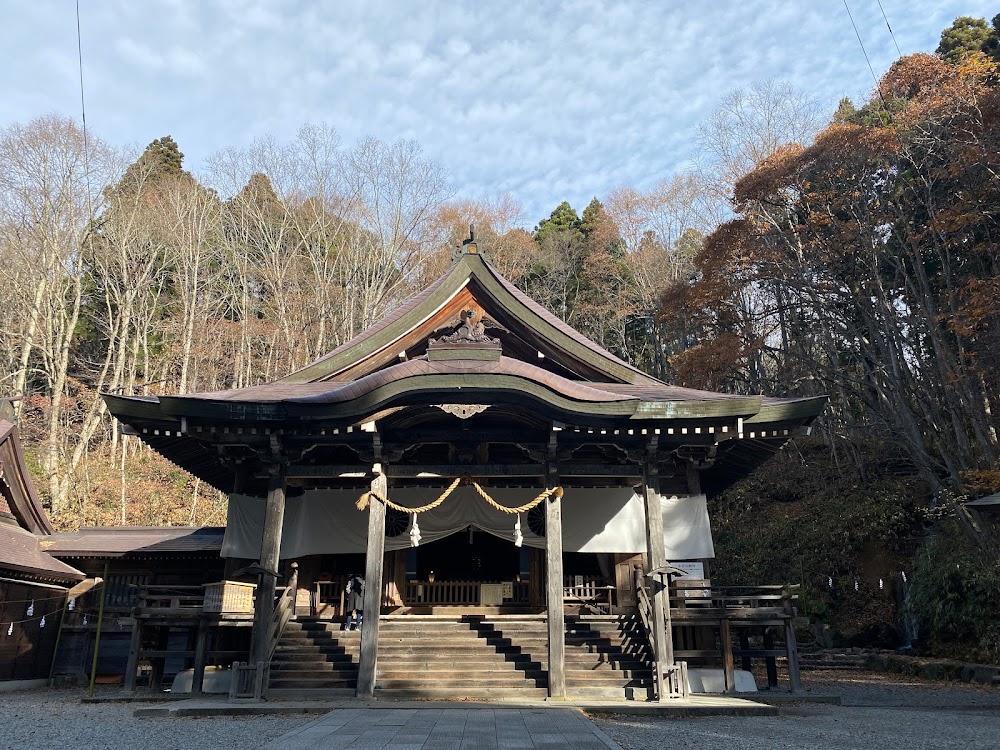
<point x="594" y="520"/>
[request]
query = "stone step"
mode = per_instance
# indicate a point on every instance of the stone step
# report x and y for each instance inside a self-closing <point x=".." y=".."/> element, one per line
<point x="453" y="693"/>
<point x="610" y="693"/>
<point x="485" y="662"/>
<point x="284" y="675"/>
<point x="287" y="664"/>
<point x="306" y="693"/>
<point x="317" y="683"/>
<point x="465" y="683"/>
<point x="639" y="681"/>
<point x="304" y="654"/>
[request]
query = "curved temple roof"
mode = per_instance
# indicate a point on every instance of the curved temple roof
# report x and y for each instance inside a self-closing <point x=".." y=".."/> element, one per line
<point x="535" y="363"/>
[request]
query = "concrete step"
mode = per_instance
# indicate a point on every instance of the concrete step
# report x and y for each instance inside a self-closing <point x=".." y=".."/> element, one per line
<point x="610" y="693"/>
<point x="497" y="681"/>
<point x="468" y="665"/>
<point x="284" y="675"/>
<point x="453" y="693"/>
<point x="285" y="668"/>
<point x="306" y="693"/>
<point x="315" y="683"/>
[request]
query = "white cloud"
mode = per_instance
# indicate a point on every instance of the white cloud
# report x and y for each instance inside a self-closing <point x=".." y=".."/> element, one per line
<point x="548" y="101"/>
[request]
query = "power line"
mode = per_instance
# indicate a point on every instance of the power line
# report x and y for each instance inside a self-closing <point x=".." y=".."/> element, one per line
<point x="898" y="53"/>
<point x="83" y="114"/>
<point x="864" y="52"/>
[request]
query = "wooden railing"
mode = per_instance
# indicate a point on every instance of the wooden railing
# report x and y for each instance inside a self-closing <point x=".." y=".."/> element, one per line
<point x="284" y="609"/>
<point x="594" y="593"/>
<point x="671" y="680"/>
<point x="458" y="593"/>
<point x="180" y="598"/>
<point x="250" y="680"/>
<point x="329" y="597"/>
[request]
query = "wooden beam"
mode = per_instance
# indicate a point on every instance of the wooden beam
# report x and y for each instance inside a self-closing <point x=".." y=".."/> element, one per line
<point x="554" y="583"/>
<point x="449" y="471"/>
<point x="270" y="548"/>
<point x="374" y="558"/>
<point x="656" y="559"/>
<point x="327" y="471"/>
<point x="474" y="470"/>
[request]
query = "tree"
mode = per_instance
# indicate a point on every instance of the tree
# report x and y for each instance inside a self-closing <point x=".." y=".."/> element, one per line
<point x="748" y="126"/>
<point x="51" y="190"/>
<point x="554" y="281"/>
<point x="865" y="265"/>
<point x="965" y="37"/>
<point x="562" y="219"/>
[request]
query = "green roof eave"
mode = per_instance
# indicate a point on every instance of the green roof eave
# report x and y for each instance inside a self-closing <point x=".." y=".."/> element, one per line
<point x="792" y="410"/>
<point x="702" y="409"/>
<point x="419" y="389"/>
<point x="125" y="408"/>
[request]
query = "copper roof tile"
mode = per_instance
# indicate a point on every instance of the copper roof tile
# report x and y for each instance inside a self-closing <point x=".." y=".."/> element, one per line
<point x="21" y="552"/>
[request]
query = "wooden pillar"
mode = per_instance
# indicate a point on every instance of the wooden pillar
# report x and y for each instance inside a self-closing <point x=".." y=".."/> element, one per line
<point x="769" y="661"/>
<point x="745" y="649"/>
<point x="728" y="670"/>
<point x="374" y="560"/>
<point x="198" y="678"/>
<point x="132" y="666"/>
<point x="270" y="547"/>
<point x="554" y="585"/>
<point x="794" y="683"/>
<point x="663" y="647"/>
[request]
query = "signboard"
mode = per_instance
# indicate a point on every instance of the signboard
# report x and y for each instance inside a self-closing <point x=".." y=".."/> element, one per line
<point x="691" y="569"/>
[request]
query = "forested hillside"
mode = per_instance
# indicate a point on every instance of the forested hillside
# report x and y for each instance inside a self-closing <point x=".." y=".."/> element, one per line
<point x="855" y="256"/>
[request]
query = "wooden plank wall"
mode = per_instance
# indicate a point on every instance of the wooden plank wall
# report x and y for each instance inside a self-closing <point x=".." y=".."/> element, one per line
<point x="26" y="654"/>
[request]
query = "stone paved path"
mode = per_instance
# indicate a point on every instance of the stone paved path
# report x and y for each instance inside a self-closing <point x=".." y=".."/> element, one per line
<point x="447" y="729"/>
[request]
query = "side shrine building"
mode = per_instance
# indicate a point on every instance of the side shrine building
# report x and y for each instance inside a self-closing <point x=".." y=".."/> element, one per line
<point x="515" y="497"/>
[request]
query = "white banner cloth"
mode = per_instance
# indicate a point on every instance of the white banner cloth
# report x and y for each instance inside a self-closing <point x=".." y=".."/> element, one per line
<point x="594" y="520"/>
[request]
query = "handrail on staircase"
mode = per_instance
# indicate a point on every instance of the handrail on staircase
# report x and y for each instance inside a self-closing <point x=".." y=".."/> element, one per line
<point x="284" y="608"/>
<point x="249" y="680"/>
<point x="670" y="680"/>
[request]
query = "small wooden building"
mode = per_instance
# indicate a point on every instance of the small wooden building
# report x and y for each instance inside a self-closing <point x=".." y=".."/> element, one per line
<point x="470" y="437"/>
<point x="33" y="585"/>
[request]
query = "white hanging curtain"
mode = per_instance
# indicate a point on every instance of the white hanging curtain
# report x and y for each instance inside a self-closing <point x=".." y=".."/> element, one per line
<point x="594" y="520"/>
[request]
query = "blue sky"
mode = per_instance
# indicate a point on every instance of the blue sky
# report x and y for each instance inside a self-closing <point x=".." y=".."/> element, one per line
<point x="548" y="101"/>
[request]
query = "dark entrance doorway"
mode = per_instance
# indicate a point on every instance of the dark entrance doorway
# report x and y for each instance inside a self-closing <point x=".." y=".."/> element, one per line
<point x="454" y="558"/>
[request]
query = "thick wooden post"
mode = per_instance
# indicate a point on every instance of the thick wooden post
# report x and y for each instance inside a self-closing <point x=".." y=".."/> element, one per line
<point x="554" y="585"/>
<point x="132" y="666"/>
<point x="198" y="678"/>
<point x="270" y="547"/>
<point x="728" y="670"/>
<point x="374" y="560"/>
<point x="769" y="661"/>
<point x="656" y="559"/>
<point x="794" y="682"/>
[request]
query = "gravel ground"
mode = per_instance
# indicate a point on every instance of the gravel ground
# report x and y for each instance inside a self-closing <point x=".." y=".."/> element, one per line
<point x="880" y="712"/>
<point x="56" y="719"/>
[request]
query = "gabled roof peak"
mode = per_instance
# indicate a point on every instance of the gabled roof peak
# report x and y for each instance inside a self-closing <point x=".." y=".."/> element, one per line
<point x="468" y="246"/>
<point x="471" y="283"/>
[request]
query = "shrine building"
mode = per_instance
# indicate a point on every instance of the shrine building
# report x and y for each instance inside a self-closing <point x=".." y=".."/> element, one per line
<point x="515" y="496"/>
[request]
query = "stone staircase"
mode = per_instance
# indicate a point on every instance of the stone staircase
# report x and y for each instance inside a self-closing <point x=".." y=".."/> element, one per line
<point x="606" y="656"/>
<point x="315" y="659"/>
<point x="439" y="656"/>
<point x="468" y="656"/>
